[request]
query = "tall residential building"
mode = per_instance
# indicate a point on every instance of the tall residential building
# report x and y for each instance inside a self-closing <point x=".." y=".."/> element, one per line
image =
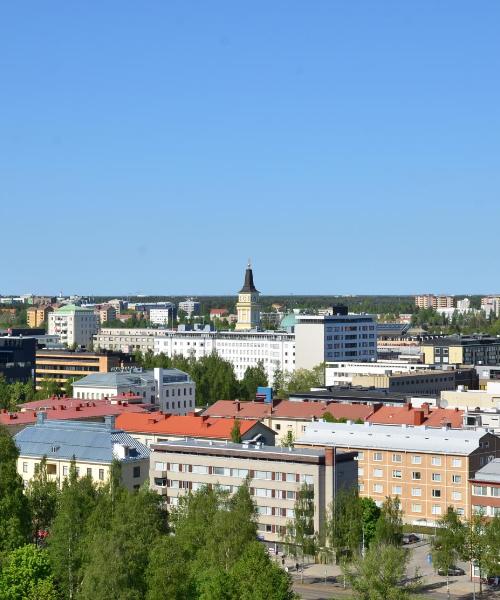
<point x="275" y="476"/>
<point x="163" y="315"/>
<point x="431" y="301"/>
<point x="190" y="306"/>
<point x="491" y="305"/>
<point x="248" y="307"/>
<point x="105" y="313"/>
<point x="73" y="324"/>
<point x="339" y="336"/>
<point x="37" y="315"/>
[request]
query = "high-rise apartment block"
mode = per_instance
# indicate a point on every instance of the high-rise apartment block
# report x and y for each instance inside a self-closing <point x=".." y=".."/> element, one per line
<point x="431" y="301"/>
<point x="73" y="324"/>
<point x="37" y="315"/>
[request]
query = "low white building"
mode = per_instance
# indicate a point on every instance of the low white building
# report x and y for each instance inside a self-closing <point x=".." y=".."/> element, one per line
<point x="164" y="315"/>
<point x="172" y="390"/>
<point x="73" y="324"/>
<point x="242" y="349"/>
<point x="341" y="373"/>
<point x="190" y="306"/>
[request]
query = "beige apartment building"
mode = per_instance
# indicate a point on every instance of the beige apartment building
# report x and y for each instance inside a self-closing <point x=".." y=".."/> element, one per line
<point x="126" y="340"/>
<point x="431" y="301"/>
<point x="428" y="469"/>
<point x="37" y="315"/>
<point x="275" y="476"/>
<point x="488" y="399"/>
<point x="416" y="382"/>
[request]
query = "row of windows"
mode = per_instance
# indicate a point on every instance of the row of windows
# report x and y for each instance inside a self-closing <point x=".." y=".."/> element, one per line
<point x="232" y="472"/>
<point x="415" y="475"/>
<point x="415" y="459"/>
<point x="486" y="490"/>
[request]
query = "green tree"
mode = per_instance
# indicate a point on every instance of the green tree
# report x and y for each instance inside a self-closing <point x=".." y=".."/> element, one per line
<point x="304" y="379"/>
<point x="389" y="528"/>
<point x="68" y="386"/>
<point x="252" y="379"/>
<point x="15" y="518"/>
<point x="43" y="496"/>
<point x="492" y="558"/>
<point x="166" y="573"/>
<point x="473" y="544"/>
<point x="48" y="388"/>
<point x="116" y="563"/>
<point x="371" y="515"/>
<point x="288" y="439"/>
<point x="300" y="536"/>
<point x="446" y="544"/>
<point x="344" y="533"/>
<point x="379" y="574"/>
<point x="236" y="432"/>
<point x="26" y="575"/>
<point x="66" y="542"/>
<point x="272" y="583"/>
<point x="280" y="383"/>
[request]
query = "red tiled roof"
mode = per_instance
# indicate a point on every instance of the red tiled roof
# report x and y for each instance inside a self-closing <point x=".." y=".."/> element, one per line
<point x="409" y="415"/>
<point x="77" y="410"/>
<point x="287" y="409"/>
<point x="188" y="425"/>
<point x="218" y="311"/>
<point x="380" y="414"/>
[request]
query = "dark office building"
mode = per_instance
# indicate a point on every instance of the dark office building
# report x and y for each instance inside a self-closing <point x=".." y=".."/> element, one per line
<point x="17" y="358"/>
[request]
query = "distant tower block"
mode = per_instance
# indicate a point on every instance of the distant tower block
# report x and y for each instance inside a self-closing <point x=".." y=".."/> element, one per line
<point x="248" y="307"/>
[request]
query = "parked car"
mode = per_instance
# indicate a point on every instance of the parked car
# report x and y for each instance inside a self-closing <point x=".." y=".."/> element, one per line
<point x="452" y="571"/>
<point x="411" y="538"/>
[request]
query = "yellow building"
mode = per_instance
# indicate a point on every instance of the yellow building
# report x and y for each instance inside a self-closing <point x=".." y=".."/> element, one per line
<point x="248" y="307"/>
<point x="37" y="315"/>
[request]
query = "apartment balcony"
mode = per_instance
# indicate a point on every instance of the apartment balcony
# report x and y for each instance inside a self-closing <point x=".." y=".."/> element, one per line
<point x="162" y="490"/>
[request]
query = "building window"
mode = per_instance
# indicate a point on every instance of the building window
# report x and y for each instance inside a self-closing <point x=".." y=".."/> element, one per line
<point x="416" y="508"/>
<point x="480" y="490"/>
<point x="416" y="491"/>
<point x="416" y="475"/>
<point x="65" y="471"/>
<point x="436" y="509"/>
<point x="436" y="477"/>
<point x="25" y="467"/>
<point x="101" y="474"/>
<point x="361" y="455"/>
<point x="416" y="460"/>
<point x="396" y="473"/>
<point x="397" y="458"/>
<point x="436" y="461"/>
<point x="457" y="462"/>
<point x="456" y="478"/>
<point x="378" y="473"/>
<point x="378" y="488"/>
<point x="89" y="471"/>
<point x="436" y="493"/>
<point x="377" y="456"/>
<point x="397" y="490"/>
<point x="456" y="495"/>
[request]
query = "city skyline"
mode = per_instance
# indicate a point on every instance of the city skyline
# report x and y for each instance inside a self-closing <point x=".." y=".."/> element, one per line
<point x="348" y="148"/>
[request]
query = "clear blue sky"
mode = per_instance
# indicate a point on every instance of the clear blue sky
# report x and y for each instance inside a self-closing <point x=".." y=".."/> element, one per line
<point x="347" y="147"/>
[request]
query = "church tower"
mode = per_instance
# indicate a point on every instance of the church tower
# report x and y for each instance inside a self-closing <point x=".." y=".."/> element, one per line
<point x="248" y="303"/>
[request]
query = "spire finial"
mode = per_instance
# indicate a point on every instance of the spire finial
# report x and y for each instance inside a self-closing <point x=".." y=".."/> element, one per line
<point x="249" y="265"/>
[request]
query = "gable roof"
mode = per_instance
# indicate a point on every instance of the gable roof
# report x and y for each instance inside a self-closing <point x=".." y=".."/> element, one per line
<point x="86" y="442"/>
<point x="180" y="425"/>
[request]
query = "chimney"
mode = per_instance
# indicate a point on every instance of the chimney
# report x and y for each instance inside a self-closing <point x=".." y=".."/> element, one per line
<point x="376" y="406"/>
<point x="237" y="405"/>
<point x="418" y="417"/>
<point x="408" y="406"/>
<point x="204" y="418"/>
<point x="427" y="408"/>
<point x="41" y="418"/>
<point x="109" y="421"/>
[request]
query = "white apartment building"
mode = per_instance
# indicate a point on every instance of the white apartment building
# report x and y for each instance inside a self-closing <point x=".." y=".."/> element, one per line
<point x="190" y="307"/>
<point x="162" y="316"/>
<point x="73" y="324"/>
<point x="241" y="349"/>
<point x="491" y="305"/>
<point x="342" y="373"/>
<point x="321" y="338"/>
<point x="172" y="390"/>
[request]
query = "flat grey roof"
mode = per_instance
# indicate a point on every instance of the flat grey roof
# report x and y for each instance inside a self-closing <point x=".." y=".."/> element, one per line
<point x="390" y="437"/>
<point x="115" y="379"/>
